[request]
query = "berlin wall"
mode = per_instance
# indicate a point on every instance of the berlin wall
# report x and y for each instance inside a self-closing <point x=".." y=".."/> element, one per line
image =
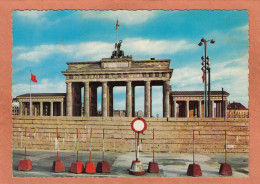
<point x="172" y="135"/>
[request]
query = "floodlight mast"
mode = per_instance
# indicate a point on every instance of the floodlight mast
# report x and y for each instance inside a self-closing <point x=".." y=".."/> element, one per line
<point x="205" y="63"/>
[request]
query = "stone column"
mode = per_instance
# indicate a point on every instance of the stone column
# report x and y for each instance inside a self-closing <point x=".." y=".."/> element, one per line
<point x="61" y="108"/>
<point x="51" y="104"/>
<point x="69" y="99"/>
<point x="30" y="108"/>
<point x="166" y="98"/>
<point x="21" y="108"/>
<point x="187" y="108"/>
<point x="212" y="108"/>
<point x="104" y="99"/>
<point x="129" y="99"/>
<point x="220" y="109"/>
<point x="174" y="109"/>
<point x="86" y="99"/>
<point x="199" y="108"/>
<point x="35" y="110"/>
<point x="133" y="99"/>
<point x="225" y="108"/>
<point x="217" y="109"/>
<point x="147" y="105"/>
<point x="41" y="108"/>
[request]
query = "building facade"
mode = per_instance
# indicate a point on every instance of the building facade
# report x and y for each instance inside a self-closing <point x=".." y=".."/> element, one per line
<point x="237" y="110"/>
<point x="42" y="104"/>
<point x="15" y="107"/>
<point x="191" y="104"/>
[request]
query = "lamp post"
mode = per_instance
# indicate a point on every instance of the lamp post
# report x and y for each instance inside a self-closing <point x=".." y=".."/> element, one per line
<point x="205" y="67"/>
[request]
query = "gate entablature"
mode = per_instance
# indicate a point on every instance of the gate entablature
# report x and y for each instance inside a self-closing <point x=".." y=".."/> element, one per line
<point x="118" y="69"/>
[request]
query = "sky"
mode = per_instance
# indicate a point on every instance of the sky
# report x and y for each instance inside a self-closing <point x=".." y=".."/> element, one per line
<point x="44" y="41"/>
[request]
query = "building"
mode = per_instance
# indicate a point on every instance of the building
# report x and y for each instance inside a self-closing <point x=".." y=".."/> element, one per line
<point x="43" y="104"/>
<point x="15" y="107"/>
<point x="193" y="103"/>
<point x="118" y="70"/>
<point x="119" y="113"/>
<point x="237" y="110"/>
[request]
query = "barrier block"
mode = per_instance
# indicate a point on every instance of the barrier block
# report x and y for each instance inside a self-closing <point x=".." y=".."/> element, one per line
<point x="58" y="166"/>
<point x="25" y="165"/>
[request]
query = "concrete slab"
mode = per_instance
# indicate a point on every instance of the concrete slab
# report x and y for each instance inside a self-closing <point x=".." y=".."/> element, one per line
<point x="170" y="164"/>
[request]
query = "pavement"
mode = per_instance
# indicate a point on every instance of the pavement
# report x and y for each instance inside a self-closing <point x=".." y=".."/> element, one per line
<point x="170" y="164"/>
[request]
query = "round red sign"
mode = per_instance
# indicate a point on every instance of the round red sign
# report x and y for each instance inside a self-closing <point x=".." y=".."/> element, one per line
<point x="138" y="125"/>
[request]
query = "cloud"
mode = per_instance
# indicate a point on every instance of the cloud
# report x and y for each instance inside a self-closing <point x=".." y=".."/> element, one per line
<point x="43" y="86"/>
<point x="185" y="77"/>
<point x="124" y="16"/>
<point x="243" y="28"/>
<point x="96" y="50"/>
<point x="31" y="15"/>
<point x="119" y="90"/>
<point x="231" y="36"/>
<point x="156" y="47"/>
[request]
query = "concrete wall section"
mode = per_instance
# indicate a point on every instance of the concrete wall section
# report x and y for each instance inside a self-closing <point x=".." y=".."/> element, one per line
<point x="174" y="135"/>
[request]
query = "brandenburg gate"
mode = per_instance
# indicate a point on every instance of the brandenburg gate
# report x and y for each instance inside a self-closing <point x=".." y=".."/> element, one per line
<point x="119" y="70"/>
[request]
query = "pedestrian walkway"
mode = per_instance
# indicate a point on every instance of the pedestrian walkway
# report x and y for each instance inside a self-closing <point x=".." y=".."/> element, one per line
<point x="170" y="164"/>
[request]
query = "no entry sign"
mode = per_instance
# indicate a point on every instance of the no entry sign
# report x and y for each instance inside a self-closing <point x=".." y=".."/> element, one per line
<point x="138" y="125"/>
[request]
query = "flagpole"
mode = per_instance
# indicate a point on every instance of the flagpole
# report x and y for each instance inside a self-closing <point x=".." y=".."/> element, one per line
<point x="116" y="30"/>
<point x="30" y="94"/>
<point x="116" y="36"/>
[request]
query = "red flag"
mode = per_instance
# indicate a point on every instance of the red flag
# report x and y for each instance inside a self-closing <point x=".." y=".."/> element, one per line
<point x="33" y="78"/>
<point x="117" y="25"/>
<point x="203" y="77"/>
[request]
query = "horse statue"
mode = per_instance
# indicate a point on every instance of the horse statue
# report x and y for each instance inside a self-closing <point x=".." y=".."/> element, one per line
<point x="117" y="53"/>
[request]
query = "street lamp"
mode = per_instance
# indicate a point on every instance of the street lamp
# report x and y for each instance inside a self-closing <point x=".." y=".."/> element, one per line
<point x="205" y="67"/>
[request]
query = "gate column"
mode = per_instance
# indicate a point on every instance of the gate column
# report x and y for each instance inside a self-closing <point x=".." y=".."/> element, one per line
<point x="86" y="99"/>
<point x="129" y="99"/>
<point x="104" y="99"/>
<point x="69" y="99"/>
<point x="166" y="98"/>
<point x="147" y="106"/>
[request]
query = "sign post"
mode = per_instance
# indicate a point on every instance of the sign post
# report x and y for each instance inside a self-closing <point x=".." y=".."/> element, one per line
<point x="58" y="165"/>
<point x="77" y="167"/>
<point x="25" y="165"/>
<point x="90" y="166"/>
<point x="225" y="168"/>
<point x="153" y="166"/>
<point x="103" y="166"/>
<point x="194" y="169"/>
<point x="138" y="125"/>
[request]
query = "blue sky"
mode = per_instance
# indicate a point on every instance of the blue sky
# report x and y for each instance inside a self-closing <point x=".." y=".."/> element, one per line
<point x="43" y="41"/>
